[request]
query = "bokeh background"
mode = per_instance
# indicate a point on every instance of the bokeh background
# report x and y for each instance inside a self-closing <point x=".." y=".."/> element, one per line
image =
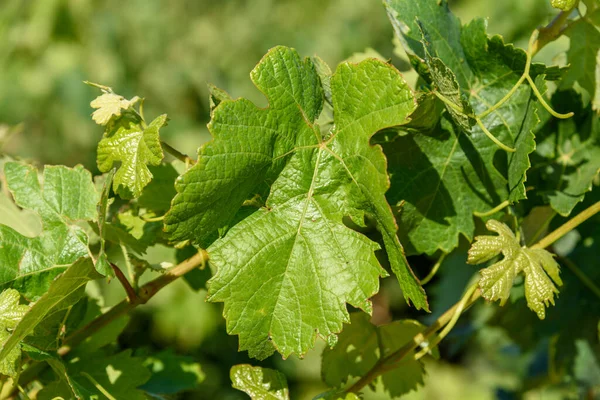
<point x="167" y="52"/>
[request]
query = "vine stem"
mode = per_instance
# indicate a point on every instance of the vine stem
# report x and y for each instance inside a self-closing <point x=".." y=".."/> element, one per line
<point x="176" y="153"/>
<point x="144" y="294"/>
<point x="567" y="226"/>
<point x="434" y="270"/>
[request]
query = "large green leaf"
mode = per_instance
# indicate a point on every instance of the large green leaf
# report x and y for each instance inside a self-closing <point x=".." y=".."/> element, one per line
<point x="260" y="383"/>
<point x="452" y="173"/>
<point x="286" y="271"/>
<point x="68" y="195"/>
<point x="64" y="291"/>
<point x="361" y="345"/>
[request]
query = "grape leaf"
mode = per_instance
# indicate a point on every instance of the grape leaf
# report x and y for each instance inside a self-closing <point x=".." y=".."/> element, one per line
<point x="361" y="345"/>
<point x="568" y="154"/>
<point x="135" y="146"/>
<point x="537" y="265"/>
<point x="294" y="263"/>
<point x="100" y="376"/>
<point x="11" y="312"/>
<point x="582" y="56"/>
<point x="259" y="383"/>
<point x="68" y="195"/>
<point x="172" y="373"/>
<point x="109" y="105"/>
<point x="64" y="291"/>
<point x="484" y="69"/>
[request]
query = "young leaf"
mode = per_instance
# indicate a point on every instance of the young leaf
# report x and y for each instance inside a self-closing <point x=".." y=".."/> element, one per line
<point x="109" y="105"/>
<point x="362" y="344"/>
<point x="135" y="146"/>
<point x="537" y="265"/>
<point x="63" y="292"/>
<point x="259" y="383"/>
<point x="68" y="195"/>
<point x="294" y="263"/>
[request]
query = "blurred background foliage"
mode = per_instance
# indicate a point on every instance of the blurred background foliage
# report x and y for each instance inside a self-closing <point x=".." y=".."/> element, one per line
<point x="167" y="51"/>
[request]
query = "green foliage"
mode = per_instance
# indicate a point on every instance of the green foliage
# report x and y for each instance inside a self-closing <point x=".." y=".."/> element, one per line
<point x="29" y="264"/>
<point x="172" y="373"/>
<point x="260" y="383"/>
<point x="299" y="204"/>
<point x="537" y="265"/>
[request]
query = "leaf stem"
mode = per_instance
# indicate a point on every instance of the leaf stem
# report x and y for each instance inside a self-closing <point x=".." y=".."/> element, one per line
<point x="145" y="293"/>
<point x="461" y="307"/>
<point x="434" y="270"/>
<point x="176" y="153"/>
<point x="546" y="105"/>
<point x="493" y="138"/>
<point x="493" y="211"/>
<point x="386" y="363"/>
<point x="568" y="226"/>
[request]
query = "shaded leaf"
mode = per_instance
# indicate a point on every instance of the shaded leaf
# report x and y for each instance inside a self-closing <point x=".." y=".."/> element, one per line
<point x="476" y="71"/>
<point x="172" y="373"/>
<point x="583" y="56"/>
<point x="568" y="154"/>
<point x="97" y="375"/>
